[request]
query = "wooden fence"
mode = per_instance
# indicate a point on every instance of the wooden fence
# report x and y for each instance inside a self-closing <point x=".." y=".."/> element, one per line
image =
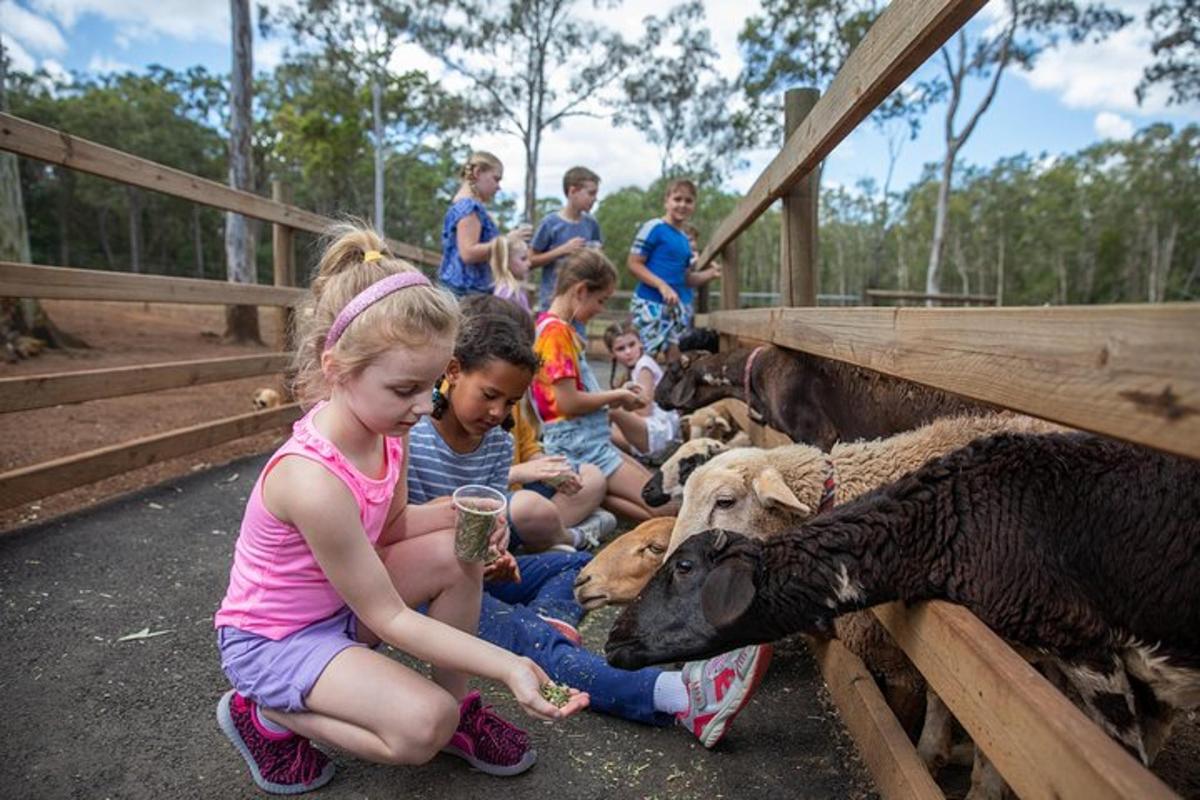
<point x="60" y="282"/>
<point x="1131" y="372"/>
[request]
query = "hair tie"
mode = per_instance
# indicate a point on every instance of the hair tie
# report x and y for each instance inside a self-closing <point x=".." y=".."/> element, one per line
<point x="372" y="294"/>
<point x="372" y="255"/>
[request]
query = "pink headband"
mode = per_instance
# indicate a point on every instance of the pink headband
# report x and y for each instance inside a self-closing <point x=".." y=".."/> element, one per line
<point x="372" y="294"/>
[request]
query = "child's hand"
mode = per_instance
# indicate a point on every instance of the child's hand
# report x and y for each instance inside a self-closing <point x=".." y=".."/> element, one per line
<point x="503" y="570"/>
<point x="670" y="296"/>
<point x="525" y="681"/>
<point x="629" y="399"/>
<point x="498" y="541"/>
<point x="572" y="245"/>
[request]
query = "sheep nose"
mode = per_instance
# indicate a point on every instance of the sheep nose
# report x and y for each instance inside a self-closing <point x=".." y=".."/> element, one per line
<point x="581" y="580"/>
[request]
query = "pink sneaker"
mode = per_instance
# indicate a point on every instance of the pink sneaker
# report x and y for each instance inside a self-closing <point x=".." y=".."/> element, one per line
<point x="569" y="631"/>
<point x="279" y="763"/>
<point x="720" y="687"/>
<point x="489" y="743"/>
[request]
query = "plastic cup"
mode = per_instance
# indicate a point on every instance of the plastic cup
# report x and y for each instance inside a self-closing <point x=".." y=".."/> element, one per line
<point x="478" y="507"/>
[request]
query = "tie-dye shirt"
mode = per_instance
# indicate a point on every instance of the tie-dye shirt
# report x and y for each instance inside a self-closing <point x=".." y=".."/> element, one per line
<point x="560" y="349"/>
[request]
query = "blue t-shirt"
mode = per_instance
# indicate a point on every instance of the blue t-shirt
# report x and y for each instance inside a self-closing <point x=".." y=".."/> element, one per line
<point x="436" y="470"/>
<point x="668" y="254"/>
<point x="454" y="273"/>
<point x="553" y="231"/>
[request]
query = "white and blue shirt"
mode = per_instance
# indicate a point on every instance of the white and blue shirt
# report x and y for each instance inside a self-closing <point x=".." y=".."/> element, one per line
<point x="668" y="254"/>
<point x="436" y="470"/>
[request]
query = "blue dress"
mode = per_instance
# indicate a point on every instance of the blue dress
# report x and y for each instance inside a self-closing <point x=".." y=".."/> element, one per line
<point x="463" y="279"/>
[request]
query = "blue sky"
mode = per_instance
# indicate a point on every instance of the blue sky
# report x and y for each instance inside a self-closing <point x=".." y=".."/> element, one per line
<point x="1077" y="95"/>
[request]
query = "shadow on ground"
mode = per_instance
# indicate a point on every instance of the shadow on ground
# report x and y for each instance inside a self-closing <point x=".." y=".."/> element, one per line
<point x="89" y="716"/>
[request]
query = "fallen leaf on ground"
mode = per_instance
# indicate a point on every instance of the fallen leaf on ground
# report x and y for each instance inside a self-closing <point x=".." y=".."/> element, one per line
<point x="144" y="633"/>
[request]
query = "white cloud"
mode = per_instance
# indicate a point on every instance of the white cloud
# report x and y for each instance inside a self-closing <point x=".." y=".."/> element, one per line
<point x="21" y="60"/>
<point x="1112" y="126"/>
<point x="37" y="33"/>
<point x="186" y="20"/>
<point x="56" y="70"/>
<point x="105" y="64"/>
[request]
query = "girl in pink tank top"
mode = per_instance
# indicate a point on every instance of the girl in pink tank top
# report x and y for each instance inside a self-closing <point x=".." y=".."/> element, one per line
<point x="331" y="558"/>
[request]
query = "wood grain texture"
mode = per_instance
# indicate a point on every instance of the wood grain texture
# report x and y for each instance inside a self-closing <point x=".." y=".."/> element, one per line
<point x="1131" y="371"/>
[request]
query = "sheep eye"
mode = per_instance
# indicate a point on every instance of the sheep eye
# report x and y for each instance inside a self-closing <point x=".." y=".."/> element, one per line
<point x="726" y="502"/>
<point x="683" y="566"/>
<point x="656" y="549"/>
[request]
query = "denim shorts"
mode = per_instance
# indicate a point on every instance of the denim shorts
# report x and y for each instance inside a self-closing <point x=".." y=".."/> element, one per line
<point x="583" y="440"/>
<point x="279" y="674"/>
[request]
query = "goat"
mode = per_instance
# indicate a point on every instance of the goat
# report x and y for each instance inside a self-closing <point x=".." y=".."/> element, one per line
<point x="266" y="398"/>
<point x="1082" y="550"/>
<point x="811" y="399"/>
<point x="667" y="481"/>
<point x="621" y="569"/>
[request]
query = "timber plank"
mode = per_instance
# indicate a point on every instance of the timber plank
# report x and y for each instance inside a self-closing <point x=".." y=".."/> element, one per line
<point x="31" y="140"/>
<point x="906" y="34"/>
<point x="882" y="744"/>
<point x="1128" y="371"/>
<point x="68" y="283"/>
<point x="1042" y="744"/>
<point x="60" y="388"/>
<point x="41" y="480"/>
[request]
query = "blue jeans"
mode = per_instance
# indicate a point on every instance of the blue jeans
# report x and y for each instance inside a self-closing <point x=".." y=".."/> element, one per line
<point x="510" y="620"/>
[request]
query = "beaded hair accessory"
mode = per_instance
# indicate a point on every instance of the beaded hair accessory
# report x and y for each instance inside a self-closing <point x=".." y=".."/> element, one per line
<point x="367" y="297"/>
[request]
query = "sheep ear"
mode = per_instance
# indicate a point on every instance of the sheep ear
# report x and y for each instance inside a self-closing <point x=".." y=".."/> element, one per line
<point x="723" y="424"/>
<point x="685" y="426"/>
<point x="727" y="593"/>
<point x="772" y="490"/>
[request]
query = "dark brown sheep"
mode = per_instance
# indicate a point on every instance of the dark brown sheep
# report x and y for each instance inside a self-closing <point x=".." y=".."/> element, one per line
<point x="1071" y="545"/>
<point x="813" y="400"/>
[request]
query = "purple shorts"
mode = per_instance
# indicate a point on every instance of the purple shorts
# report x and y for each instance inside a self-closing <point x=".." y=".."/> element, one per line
<point x="279" y="674"/>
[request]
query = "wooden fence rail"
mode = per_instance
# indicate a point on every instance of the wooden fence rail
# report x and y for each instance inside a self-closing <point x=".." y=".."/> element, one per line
<point x="41" y="391"/>
<point x="907" y="33"/>
<point x="1132" y="372"/>
<point x="31" y="140"/>
<point x="40" y="480"/>
<point x="66" y="283"/>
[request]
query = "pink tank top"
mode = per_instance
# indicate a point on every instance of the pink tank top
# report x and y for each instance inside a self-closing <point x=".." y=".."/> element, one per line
<point x="276" y="586"/>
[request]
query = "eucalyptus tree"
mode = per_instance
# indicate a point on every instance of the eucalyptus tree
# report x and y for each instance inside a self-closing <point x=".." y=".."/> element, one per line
<point x="532" y="64"/>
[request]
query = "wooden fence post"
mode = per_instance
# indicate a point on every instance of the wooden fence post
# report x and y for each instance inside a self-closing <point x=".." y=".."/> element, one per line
<point x="730" y="287"/>
<point x="284" y="254"/>
<point x="798" y="264"/>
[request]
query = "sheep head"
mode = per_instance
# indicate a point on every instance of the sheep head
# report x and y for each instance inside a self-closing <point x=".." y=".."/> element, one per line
<point x="668" y="480"/>
<point x="704" y="600"/>
<point x="745" y="490"/>
<point x="621" y="570"/>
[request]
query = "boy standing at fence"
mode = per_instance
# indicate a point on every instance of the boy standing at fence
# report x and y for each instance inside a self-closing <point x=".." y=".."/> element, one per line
<point x="567" y="230"/>
<point x="660" y="258"/>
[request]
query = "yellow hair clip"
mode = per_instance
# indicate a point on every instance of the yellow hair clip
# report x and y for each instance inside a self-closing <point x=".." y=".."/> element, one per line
<point x="372" y="255"/>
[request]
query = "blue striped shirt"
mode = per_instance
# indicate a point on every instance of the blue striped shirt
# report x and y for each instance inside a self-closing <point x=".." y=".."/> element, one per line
<point x="436" y="470"/>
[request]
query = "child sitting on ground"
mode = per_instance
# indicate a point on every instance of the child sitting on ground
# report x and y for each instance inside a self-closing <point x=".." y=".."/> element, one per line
<point x="462" y="442"/>
<point x="331" y="560"/>
<point x="572" y="407"/>
<point x="650" y="428"/>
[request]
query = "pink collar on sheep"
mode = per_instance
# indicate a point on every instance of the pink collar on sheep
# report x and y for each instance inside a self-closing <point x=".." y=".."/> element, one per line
<point x="746" y="373"/>
<point x="830" y="489"/>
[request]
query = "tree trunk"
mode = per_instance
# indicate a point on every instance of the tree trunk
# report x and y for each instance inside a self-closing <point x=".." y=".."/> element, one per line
<point x="102" y="230"/>
<point x="241" y="322"/>
<point x="960" y="265"/>
<point x="1000" y="273"/>
<point x="134" y="196"/>
<point x="933" y="275"/>
<point x="377" y="113"/>
<point x="66" y="182"/>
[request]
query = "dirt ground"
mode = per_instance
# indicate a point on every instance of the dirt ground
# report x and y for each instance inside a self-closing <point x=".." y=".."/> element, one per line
<point x="126" y="334"/>
<point x="100" y="718"/>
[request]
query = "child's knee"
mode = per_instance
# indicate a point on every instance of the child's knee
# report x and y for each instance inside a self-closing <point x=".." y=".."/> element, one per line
<point x="426" y="728"/>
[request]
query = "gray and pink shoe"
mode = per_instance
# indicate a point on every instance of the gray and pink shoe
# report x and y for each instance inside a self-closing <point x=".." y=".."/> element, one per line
<point x="488" y="742"/>
<point x="279" y="763"/>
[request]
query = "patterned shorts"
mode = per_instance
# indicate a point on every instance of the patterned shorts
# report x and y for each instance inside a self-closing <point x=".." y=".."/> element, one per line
<point x="658" y="324"/>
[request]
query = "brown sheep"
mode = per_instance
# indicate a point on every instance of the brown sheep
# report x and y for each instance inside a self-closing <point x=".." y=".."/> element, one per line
<point x="622" y="568"/>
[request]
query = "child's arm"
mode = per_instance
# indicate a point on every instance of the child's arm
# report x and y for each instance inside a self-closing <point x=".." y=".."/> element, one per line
<point x="645" y="380"/>
<point x="467" y="234"/>
<point x="576" y="402"/>
<point x="637" y="265"/>
<point x="328" y="517"/>
<point x="699" y="277"/>
<point x="572" y="245"/>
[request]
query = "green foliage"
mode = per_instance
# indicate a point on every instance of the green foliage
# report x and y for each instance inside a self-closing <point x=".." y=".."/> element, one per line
<point x="1175" y="26"/>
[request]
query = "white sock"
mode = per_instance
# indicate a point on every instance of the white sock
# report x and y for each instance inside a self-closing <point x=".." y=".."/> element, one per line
<point x="670" y="695"/>
<point x="273" y="727"/>
<point x="577" y="539"/>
